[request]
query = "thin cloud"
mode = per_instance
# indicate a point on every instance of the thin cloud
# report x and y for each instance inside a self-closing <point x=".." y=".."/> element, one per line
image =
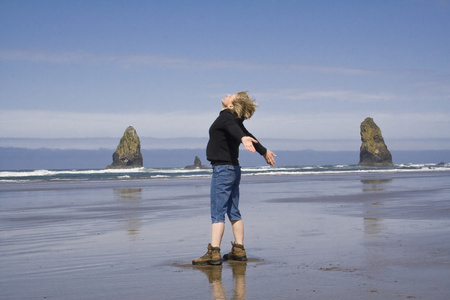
<point x="267" y="125"/>
<point x="127" y="61"/>
<point x="338" y="95"/>
<point x="62" y="124"/>
<point x="346" y="125"/>
<point x="81" y="57"/>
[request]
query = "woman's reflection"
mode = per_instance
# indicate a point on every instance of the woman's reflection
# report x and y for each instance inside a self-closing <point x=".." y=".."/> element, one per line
<point x="214" y="274"/>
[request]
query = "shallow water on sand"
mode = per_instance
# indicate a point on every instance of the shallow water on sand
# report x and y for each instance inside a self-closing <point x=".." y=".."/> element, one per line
<point x="340" y="236"/>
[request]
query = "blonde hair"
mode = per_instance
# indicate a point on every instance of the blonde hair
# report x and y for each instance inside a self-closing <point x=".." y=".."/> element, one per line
<point x="244" y="106"/>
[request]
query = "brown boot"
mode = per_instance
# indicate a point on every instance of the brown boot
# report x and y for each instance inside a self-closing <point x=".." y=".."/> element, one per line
<point x="237" y="253"/>
<point x="212" y="257"/>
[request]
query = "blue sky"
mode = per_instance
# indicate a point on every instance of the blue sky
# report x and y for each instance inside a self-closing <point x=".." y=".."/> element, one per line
<point x="317" y="68"/>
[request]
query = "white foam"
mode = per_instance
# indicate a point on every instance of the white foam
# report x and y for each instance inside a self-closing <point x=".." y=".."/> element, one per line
<point x="5" y="174"/>
<point x="16" y="176"/>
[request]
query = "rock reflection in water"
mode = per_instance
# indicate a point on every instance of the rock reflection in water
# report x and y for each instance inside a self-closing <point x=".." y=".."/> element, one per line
<point x="372" y="223"/>
<point x="129" y="193"/>
<point x="373" y="227"/>
<point x="214" y="274"/>
<point x="376" y="185"/>
<point x="130" y="197"/>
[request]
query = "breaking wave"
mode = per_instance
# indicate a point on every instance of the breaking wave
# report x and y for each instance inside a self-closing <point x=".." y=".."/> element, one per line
<point x="169" y="173"/>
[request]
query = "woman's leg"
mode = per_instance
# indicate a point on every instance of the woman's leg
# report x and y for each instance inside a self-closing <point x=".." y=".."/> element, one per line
<point x="217" y="230"/>
<point x="233" y="211"/>
<point x="238" y="231"/>
<point x="222" y="188"/>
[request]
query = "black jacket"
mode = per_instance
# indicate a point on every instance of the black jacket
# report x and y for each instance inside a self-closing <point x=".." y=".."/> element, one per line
<point x="225" y="136"/>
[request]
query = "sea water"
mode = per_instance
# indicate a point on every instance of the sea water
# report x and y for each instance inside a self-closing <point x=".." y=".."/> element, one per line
<point x="10" y="177"/>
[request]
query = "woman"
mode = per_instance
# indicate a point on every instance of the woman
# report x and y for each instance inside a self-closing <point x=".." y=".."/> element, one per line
<point x="225" y="135"/>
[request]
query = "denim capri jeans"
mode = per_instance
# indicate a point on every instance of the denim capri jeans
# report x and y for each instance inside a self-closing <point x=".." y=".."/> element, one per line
<point x="225" y="193"/>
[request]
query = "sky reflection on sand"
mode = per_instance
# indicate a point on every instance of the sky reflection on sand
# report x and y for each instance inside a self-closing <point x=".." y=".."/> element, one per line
<point x="382" y="236"/>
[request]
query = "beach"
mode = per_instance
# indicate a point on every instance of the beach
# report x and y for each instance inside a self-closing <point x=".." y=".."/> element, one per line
<point x="353" y="235"/>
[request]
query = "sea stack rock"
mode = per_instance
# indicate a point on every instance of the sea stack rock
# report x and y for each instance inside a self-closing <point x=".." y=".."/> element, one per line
<point x="373" y="152"/>
<point x="197" y="164"/>
<point x="128" y="152"/>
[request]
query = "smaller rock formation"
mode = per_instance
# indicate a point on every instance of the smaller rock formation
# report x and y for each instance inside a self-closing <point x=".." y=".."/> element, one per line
<point x="128" y="152"/>
<point x="197" y="165"/>
<point x="373" y="152"/>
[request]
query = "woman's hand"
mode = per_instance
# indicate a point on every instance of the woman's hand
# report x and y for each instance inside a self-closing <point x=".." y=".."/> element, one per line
<point x="248" y="141"/>
<point x="269" y="157"/>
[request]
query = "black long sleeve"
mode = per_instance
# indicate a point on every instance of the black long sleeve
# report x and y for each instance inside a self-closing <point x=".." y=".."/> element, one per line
<point x="225" y="136"/>
<point x="258" y="146"/>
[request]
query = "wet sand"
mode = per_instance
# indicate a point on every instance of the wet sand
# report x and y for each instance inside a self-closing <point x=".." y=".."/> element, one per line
<point x="345" y="236"/>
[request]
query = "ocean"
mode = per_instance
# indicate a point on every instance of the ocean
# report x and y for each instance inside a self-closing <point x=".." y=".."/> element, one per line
<point x="35" y="176"/>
